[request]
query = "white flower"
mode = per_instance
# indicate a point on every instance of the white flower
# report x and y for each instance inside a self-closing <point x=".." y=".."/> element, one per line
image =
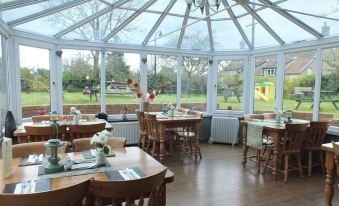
<point x="73" y="110"/>
<point x="100" y="139"/>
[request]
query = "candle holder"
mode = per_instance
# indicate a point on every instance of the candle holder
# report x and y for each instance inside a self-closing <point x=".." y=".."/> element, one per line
<point x="53" y="118"/>
<point x="53" y="161"/>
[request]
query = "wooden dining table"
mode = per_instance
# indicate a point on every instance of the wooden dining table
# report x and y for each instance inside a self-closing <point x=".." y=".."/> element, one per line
<point x="127" y="157"/>
<point x="329" y="181"/>
<point x="178" y="121"/>
<point x="20" y="132"/>
<point x="275" y="132"/>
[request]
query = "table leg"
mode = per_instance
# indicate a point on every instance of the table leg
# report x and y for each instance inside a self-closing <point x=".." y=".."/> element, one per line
<point x="329" y="181"/>
<point x="196" y="144"/>
<point x="162" y="141"/>
<point x="275" y="162"/>
<point x="244" y="145"/>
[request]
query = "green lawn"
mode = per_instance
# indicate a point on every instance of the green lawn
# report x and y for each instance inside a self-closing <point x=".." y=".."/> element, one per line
<point x="78" y="98"/>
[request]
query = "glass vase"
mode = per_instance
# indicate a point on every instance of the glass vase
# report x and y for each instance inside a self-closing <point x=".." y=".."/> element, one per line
<point x="75" y="120"/>
<point x="99" y="156"/>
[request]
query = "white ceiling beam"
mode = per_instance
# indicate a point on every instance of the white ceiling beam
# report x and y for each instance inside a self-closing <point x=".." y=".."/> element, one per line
<point x="183" y="28"/>
<point x="90" y="18"/>
<point x="261" y="8"/>
<point x="263" y="23"/>
<point x="17" y="4"/>
<point x="209" y="26"/>
<point x="292" y="19"/>
<point x="46" y="12"/>
<point x="157" y="24"/>
<point x="237" y="24"/>
<point x="129" y="19"/>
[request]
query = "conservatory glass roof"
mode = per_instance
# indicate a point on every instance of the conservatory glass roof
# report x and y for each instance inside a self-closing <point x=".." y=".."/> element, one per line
<point x="235" y="25"/>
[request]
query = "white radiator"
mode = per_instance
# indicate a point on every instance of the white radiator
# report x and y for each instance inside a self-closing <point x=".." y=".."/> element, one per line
<point x="224" y="130"/>
<point x="129" y="130"/>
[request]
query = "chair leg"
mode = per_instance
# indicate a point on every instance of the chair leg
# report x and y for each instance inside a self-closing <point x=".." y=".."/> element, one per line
<point x="140" y="140"/>
<point x="300" y="166"/>
<point x="267" y="160"/>
<point x="286" y="168"/>
<point x="148" y="143"/>
<point x="310" y="163"/>
<point x="153" y="148"/>
<point x="321" y="161"/>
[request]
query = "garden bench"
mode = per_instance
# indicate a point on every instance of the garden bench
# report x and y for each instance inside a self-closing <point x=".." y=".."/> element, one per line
<point x="325" y="96"/>
<point x="231" y="92"/>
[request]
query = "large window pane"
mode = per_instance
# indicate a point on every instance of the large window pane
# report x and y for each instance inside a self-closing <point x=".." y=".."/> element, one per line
<point x="330" y="85"/>
<point x="35" y="85"/>
<point x="162" y="78"/>
<point x="194" y="83"/>
<point x="299" y="82"/>
<point x="119" y="68"/>
<point x="230" y="85"/>
<point x="3" y="89"/>
<point x="81" y="80"/>
<point x="265" y="84"/>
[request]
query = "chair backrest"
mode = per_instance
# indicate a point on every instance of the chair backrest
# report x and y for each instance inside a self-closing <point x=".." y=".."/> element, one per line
<point x="129" y="190"/>
<point x="85" y="143"/>
<point x="316" y="134"/>
<point x="293" y="137"/>
<point x="38" y="133"/>
<point x="85" y="130"/>
<point x="253" y="116"/>
<point x="142" y="122"/>
<point x="61" y="197"/>
<point x="152" y="126"/>
<point x="24" y="149"/>
<point x="40" y="118"/>
<point x="88" y="117"/>
<point x="269" y="115"/>
<point x="183" y="111"/>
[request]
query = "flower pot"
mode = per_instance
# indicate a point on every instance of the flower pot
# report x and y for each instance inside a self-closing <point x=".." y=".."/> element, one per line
<point x="99" y="157"/>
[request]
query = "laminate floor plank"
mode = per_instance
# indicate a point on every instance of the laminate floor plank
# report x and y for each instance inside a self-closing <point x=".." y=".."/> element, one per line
<point x="219" y="179"/>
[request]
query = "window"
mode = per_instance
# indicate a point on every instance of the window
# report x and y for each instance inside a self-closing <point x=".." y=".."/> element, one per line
<point x="265" y="84"/>
<point x="3" y="88"/>
<point x="81" y="80"/>
<point x="329" y="93"/>
<point x="194" y="83"/>
<point x="299" y="82"/>
<point x="162" y="78"/>
<point x="230" y="85"/>
<point x="120" y="67"/>
<point x="35" y="81"/>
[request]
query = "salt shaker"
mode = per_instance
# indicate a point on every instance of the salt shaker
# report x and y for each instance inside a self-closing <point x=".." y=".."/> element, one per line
<point x="68" y="163"/>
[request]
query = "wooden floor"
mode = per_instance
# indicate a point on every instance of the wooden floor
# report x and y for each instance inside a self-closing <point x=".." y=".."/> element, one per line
<point x="219" y="179"/>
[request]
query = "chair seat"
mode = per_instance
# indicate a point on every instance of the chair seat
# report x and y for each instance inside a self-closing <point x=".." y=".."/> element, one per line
<point x="185" y="134"/>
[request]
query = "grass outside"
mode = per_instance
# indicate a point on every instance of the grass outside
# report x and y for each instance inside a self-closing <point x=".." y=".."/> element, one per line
<point x="43" y="98"/>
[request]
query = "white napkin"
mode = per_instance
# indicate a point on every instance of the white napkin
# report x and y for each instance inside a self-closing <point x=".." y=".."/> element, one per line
<point x="30" y="188"/>
<point x="31" y="159"/>
<point x="129" y="174"/>
<point x="83" y="165"/>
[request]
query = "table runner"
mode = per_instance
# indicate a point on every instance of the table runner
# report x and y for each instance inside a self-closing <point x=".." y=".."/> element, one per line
<point x="254" y="135"/>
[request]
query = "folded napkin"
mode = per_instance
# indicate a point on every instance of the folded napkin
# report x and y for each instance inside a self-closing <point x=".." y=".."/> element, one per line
<point x="129" y="174"/>
<point x="25" y="187"/>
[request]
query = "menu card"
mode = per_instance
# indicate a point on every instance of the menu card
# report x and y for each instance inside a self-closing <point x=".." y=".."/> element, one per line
<point x="6" y="157"/>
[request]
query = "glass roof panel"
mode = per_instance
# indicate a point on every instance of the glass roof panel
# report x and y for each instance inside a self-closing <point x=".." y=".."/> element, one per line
<point x="59" y="21"/>
<point x="135" y="4"/>
<point x="261" y="37"/>
<point x="99" y="28"/>
<point x="169" y="24"/>
<point x="196" y="36"/>
<point x="226" y="36"/>
<point x="159" y="5"/>
<point x="13" y="14"/>
<point x="220" y="15"/>
<point x="238" y="9"/>
<point x="137" y="30"/>
<point x="179" y="7"/>
<point x="323" y="7"/>
<point x="287" y="30"/>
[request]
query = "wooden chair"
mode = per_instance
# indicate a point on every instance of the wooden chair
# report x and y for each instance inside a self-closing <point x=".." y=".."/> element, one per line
<point x="72" y="195"/>
<point x="85" y="143"/>
<point x="153" y="134"/>
<point x="37" y="133"/>
<point x="336" y="153"/>
<point x="142" y="129"/>
<point x="128" y="191"/>
<point x="269" y="115"/>
<point x="88" y="117"/>
<point x="184" y="111"/>
<point x="312" y="143"/>
<point x="40" y="118"/>
<point x="24" y="149"/>
<point x="85" y="130"/>
<point x="291" y="145"/>
<point x="248" y="117"/>
<point x="187" y="136"/>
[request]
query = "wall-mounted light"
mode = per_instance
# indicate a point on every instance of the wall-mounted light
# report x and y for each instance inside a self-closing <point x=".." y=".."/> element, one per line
<point x="144" y="60"/>
<point x="58" y="53"/>
<point x="210" y="61"/>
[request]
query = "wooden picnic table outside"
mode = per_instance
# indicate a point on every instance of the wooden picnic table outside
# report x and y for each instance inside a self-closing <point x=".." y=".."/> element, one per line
<point x="325" y="96"/>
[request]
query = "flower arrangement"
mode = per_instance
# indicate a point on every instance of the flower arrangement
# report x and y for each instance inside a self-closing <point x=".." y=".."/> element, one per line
<point x="149" y="97"/>
<point x="75" y="112"/>
<point x="100" y="141"/>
